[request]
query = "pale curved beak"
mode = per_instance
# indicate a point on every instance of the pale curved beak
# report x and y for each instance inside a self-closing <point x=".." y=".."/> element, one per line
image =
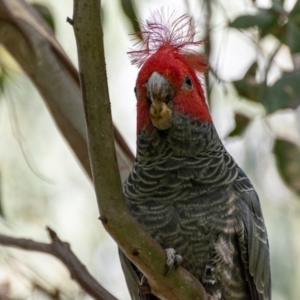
<point x="159" y="88"/>
<point x="160" y="93"/>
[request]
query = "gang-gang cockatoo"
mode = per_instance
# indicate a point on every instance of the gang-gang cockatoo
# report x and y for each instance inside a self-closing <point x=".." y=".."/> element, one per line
<point x="185" y="189"/>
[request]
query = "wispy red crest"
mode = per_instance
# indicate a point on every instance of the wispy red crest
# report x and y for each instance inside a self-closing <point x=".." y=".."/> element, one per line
<point x="162" y="30"/>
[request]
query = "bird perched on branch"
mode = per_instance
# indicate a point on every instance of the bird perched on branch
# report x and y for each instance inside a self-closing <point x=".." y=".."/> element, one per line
<point x="185" y="189"/>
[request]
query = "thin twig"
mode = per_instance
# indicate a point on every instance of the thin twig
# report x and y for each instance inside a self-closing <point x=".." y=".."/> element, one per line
<point x="63" y="252"/>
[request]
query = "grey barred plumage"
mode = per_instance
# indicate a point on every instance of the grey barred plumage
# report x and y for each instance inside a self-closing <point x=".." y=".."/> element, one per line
<point x="190" y="195"/>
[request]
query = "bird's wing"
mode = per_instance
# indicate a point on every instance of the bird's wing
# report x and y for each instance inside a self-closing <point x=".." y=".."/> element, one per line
<point x="253" y="240"/>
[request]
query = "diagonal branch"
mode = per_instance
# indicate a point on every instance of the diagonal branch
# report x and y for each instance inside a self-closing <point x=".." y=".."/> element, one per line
<point x="63" y="252"/>
<point x="138" y="246"/>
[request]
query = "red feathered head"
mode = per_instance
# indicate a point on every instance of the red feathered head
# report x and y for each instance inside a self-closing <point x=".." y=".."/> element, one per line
<point x="167" y="81"/>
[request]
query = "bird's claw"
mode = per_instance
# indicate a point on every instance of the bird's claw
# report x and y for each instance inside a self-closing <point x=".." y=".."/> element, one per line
<point x="173" y="259"/>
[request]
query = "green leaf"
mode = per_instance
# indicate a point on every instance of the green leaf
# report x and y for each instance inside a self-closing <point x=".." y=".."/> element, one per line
<point x="128" y="8"/>
<point x="292" y="37"/>
<point x="264" y="20"/>
<point x="248" y="87"/>
<point x="241" y="123"/>
<point x="295" y="13"/>
<point x="287" y="156"/>
<point x="252" y="70"/>
<point x="284" y="93"/>
<point x="278" y="5"/>
<point x="275" y="21"/>
<point x="287" y="27"/>
<point x="46" y="14"/>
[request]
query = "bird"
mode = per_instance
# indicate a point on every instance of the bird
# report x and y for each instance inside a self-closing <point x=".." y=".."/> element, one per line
<point x="185" y="189"/>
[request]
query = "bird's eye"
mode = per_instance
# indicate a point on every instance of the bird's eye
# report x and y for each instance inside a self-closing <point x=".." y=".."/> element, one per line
<point x="188" y="81"/>
<point x="134" y="90"/>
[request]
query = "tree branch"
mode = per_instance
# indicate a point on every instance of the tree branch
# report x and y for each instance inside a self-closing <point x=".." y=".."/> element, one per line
<point x="63" y="252"/>
<point x="139" y="247"/>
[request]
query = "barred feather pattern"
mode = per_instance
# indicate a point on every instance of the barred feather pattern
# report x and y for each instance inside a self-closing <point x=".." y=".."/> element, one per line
<point x="190" y="195"/>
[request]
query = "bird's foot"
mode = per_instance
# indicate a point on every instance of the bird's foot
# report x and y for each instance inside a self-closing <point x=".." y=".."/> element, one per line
<point x="209" y="274"/>
<point x="173" y="259"/>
